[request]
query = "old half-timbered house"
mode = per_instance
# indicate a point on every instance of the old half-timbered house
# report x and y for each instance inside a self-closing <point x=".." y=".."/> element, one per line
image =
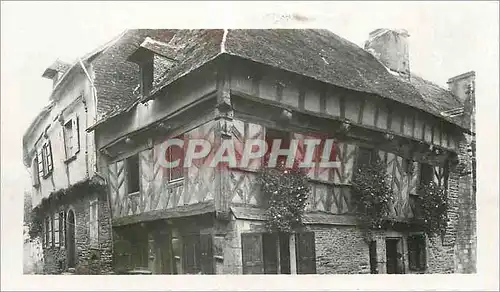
<point x="70" y="204"/>
<point x="235" y="85"/>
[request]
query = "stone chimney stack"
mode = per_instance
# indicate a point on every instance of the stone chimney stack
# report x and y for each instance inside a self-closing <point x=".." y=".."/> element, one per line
<point x="55" y="71"/>
<point x="391" y="48"/>
<point x="461" y="85"/>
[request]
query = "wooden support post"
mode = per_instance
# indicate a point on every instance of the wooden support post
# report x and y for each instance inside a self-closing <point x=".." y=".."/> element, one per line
<point x="278" y="256"/>
<point x="293" y="255"/>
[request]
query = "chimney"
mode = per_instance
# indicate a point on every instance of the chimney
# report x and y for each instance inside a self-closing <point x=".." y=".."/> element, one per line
<point x="55" y="71"/>
<point x="463" y="86"/>
<point x="460" y="85"/>
<point x="390" y="47"/>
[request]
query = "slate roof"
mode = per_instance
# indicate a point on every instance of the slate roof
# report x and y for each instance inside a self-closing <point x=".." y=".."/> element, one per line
<point x="318" y="54"/>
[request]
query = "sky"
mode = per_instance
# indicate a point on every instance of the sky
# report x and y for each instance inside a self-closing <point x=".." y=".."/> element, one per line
<point x="446" y="39"/>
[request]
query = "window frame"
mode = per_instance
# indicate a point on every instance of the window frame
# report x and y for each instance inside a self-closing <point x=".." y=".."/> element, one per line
<point x="74" y="133"/>
<point x="129" y="174"/>
<point x="48" y="162"/>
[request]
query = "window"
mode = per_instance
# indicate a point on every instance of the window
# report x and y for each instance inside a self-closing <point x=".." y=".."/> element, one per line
<point x="416" y="253"/>
<point x="266" y="253"/>
<point x="175" y="152"/>
<point x="47" y="159"/>
<point x="146" y="68"/>
<point x="426" y="174"/>
<point x="132" y="164"/>
<point x="35" y="171"/>
<point x="198" y="254"/>
<point x="94" y="223"/>
<point x="271" y="136"/>
<point x="365" y="156"/>
<point x="40" y="164"/>
<point x="71" y="137"/>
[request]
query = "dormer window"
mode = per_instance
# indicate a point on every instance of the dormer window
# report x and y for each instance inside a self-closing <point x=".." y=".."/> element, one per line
<point x="154" y="58"/>
<point x="146" y="75"/>
<point x="55" y="71"/>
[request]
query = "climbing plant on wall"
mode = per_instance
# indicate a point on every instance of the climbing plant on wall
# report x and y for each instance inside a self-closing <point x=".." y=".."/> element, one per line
<point x="433" y="203"/>
<point x="286" y="191"/>
<point x="372" y="195"/>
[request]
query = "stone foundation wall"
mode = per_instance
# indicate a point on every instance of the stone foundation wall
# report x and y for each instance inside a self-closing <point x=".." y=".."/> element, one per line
<point x="89" y="260"/>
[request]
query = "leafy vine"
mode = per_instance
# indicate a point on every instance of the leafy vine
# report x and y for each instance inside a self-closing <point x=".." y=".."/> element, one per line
<point x="372" y="195"/>
<point x="433" y="203"/>
<point x="287" y="190"/>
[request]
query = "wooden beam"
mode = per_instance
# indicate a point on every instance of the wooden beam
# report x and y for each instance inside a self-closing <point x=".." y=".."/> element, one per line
<point x="178" y="212"/>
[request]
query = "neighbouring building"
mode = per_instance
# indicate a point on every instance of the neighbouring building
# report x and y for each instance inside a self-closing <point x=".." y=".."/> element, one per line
<point x="235" y="85"/>
<point x="112" y="207"/>
<point x="68" y="194"/>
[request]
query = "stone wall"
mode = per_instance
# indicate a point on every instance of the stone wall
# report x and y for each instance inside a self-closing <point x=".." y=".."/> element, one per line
<point x="89" y="260"/>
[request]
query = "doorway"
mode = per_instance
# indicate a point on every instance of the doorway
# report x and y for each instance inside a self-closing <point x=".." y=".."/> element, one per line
<point x="394" y="255"/>
<point x="70" y="239"/>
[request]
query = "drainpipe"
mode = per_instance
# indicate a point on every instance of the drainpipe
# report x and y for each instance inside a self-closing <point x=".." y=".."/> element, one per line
<point x="96" y="172"/>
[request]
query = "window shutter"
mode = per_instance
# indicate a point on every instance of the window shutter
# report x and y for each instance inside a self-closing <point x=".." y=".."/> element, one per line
<point x="50" y="233"/>
<point x="207" y="258"/>
<point x="269" y="245"/>
<point x="62" y="228"/>
<point x="412" y="253"/>
<point x="76" y="135"/>
<point x="40" y="163"/>
<point x="422" y="253"/>
<point x="306" y="253"/>
<point x="44" y="233"/>
<point x="191" y="254"/>
<point x="251" y="244"/>
<point x="50" y="165"/>
<point x="56" y="230"/>
<point x="35" y="175"/>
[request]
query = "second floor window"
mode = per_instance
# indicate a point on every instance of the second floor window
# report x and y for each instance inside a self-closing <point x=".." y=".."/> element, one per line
<point x="132" y="167"/>
<point x="71" y="137"/>
<point x="45" y="161"/>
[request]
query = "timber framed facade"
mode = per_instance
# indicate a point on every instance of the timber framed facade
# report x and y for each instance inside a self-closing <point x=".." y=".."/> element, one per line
<point x="201" y="220"/>
<point x="223" y="86"/>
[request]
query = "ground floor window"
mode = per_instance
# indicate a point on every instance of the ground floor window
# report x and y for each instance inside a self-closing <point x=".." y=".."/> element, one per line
<point x="283" y="253"/>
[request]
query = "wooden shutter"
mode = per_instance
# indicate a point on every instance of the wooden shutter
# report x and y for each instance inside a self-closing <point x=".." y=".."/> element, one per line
<point x="270" y="253"/>
<point x="76" y="134"/>
<point x="62" y="228"/>
<point x="50" y="164"/>
<point x="50" y="235"/>
<point x="56" y="230"/>
<point x="191" y="254"/>
<point x="206" y="254"/>
<point x="35" y="176"/>
<point x="306" y="253"/>
<point x="41" y="163"/>
<point x="252" y="256"/>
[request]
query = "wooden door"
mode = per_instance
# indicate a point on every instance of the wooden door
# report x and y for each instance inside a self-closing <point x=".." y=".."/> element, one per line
<point x="252" y="253"/>
<point x="306" y="253"/>
<point x="394" y="255"/>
